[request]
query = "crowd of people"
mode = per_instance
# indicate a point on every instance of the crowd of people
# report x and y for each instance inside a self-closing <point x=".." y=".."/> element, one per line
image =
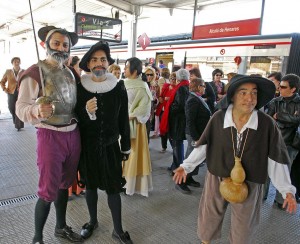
<point x="99" y="125"/>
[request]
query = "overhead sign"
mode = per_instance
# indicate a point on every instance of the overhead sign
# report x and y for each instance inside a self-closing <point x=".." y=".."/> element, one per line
<point x="144" y="41"/>
<point x="260" y="60"/>
<point x="94" y="27"/>
<point x="227" y="29"/>
<point x="265" y="46"/>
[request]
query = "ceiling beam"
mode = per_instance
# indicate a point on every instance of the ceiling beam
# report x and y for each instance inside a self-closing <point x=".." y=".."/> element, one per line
<point x="120" y="4"/>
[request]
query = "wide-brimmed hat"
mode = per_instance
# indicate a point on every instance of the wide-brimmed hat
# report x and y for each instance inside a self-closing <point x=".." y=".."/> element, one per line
<point x="96" y="47"/>
<point x="44" y="31"/>
<point x="265" y="90"/>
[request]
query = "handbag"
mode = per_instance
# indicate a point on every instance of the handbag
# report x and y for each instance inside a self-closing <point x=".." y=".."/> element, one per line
<point x="296" y="140"/>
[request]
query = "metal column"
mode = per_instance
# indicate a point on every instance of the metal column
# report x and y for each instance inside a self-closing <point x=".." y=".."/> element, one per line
<point x="133" y="35"/>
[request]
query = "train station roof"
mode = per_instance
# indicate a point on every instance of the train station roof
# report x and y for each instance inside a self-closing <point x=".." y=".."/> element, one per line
<point x="15" y="18"/>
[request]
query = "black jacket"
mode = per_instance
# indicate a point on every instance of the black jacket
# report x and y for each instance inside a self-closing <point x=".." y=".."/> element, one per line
<point x="177" y="114"/>
<point x="213" y="85"/>
<point x="112" y="117"/>
<point x="288" y="115"/>
<point x="210" y="97"/>
<point x="197" y="116"/>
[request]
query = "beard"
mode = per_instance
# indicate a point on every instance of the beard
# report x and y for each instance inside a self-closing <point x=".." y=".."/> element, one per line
<point x="98" y="71"/>
<point x="59" y="56"/>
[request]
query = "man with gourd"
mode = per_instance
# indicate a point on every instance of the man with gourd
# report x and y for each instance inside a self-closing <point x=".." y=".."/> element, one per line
<point x="242" y="146"/>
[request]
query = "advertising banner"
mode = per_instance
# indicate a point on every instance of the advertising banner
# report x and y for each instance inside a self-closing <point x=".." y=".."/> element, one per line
<point x="227" y="29"/>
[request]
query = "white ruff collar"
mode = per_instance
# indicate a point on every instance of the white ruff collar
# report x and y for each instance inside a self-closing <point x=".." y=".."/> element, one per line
<point x="99" y="87"/>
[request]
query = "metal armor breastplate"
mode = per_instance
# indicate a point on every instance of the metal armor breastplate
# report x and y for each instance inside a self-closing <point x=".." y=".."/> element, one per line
<point x="60" y="86"/>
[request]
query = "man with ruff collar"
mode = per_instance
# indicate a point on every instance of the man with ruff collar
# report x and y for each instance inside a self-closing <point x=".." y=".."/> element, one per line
<point x="240" y="132"/>
<point x="102" y="109"/>
<point x="58" y="139"/>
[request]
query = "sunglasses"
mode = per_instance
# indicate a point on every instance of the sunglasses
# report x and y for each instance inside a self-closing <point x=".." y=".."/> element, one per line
<point x="150" y="74"/>
<point x="283" y="87"/>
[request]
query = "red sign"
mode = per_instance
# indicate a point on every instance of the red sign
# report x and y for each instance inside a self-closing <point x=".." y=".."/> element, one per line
<point x="144" y="41"/>
<point x="227" y="29"/>
<point x="237" y="60"/>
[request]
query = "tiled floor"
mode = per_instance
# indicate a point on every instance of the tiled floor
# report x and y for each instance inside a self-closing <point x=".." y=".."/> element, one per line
<point x="166" y="216"/>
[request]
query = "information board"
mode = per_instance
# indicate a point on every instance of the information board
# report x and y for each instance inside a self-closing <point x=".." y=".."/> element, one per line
<point x="94" y="27"/>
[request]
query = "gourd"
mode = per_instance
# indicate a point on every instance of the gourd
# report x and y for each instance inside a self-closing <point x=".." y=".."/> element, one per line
<point x="233" y="188"/>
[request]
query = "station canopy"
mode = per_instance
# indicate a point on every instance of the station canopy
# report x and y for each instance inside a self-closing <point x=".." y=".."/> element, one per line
<point x="15" y="18"/>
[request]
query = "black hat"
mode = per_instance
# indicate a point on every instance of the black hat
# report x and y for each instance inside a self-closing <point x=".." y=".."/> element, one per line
<point x="265" y="90"/>
<point x="43" y="32"/>
<point x="96" y="47"/>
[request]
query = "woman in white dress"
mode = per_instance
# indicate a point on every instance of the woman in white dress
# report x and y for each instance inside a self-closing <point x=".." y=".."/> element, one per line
<point x="137" y="170"/>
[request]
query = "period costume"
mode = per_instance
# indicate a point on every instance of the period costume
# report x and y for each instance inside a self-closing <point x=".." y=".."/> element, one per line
<point x="264" y="153"/>
<point x="58" y="138"/>
<point x="137" y="170"/>
<point x="100" y="162"/>
<point x="102" y="108"/>
<point x="63" y="122"/>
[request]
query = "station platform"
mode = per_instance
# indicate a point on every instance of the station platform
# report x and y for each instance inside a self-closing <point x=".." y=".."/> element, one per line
<point x="167" y="216"/>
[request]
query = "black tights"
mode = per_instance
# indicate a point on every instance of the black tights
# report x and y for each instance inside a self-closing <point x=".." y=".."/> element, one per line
<point x="42" y="209"/>
<point x="61" y="208"/>
<point x="114" y="203"/>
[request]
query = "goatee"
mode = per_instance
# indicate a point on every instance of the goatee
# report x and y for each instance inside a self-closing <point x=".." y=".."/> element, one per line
<point x="60" y="56"/>
<point x="98" y="72"/>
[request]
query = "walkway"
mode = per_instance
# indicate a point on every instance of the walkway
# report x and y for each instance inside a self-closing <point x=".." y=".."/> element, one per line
<point x="166" y="217"/>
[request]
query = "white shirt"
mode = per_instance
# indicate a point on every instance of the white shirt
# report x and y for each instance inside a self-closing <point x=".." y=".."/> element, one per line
<point x="278" y="173"/>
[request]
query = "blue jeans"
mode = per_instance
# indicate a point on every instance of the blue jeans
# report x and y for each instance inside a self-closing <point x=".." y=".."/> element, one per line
<point x="178" y="153"/>
<point x="189" y="149"/>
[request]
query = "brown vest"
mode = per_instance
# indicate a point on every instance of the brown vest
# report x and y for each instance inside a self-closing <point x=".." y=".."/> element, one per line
<point x="263" y="143"/>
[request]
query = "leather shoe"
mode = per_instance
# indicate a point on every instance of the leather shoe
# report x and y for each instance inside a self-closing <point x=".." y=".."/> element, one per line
<point x="123" y="238"/>
<point x="278" y="205"/>
<point x="69" y="234"/>
<point x="87" y="230"/>
<point x="191" y="182"/>
<point x="183" y="188"/>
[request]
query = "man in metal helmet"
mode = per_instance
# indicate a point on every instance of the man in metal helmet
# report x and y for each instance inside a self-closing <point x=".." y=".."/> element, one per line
<point x="58" y="139"/>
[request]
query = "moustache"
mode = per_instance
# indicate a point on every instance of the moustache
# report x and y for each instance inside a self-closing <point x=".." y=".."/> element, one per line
<point x="98" y="68"/>
<point x="99" y="71"/>
<point x="58" y="54"/>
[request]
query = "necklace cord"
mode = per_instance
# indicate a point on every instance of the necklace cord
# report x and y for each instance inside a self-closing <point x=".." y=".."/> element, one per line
<point x="243" y="145"/>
